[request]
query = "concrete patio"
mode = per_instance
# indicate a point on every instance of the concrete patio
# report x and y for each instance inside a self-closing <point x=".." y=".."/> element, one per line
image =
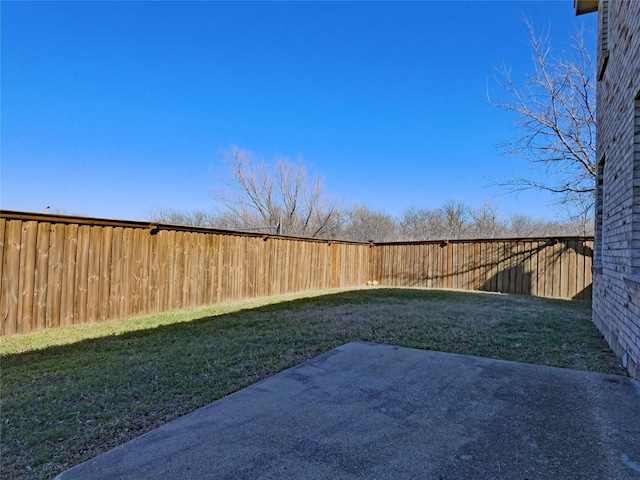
<point x="370" y="411"/>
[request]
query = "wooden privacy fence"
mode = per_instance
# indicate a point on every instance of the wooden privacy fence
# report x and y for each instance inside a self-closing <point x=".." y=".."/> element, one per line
<point x="62" y="270"/>
<point x="545" y="267"/>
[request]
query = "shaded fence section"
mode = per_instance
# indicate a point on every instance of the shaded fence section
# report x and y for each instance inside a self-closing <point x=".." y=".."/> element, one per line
<point x="546" y="267"/>
<point x="62" y="270"/>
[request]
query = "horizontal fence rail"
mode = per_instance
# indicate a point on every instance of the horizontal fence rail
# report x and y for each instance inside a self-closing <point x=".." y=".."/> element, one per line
<point x="62" y="270"/>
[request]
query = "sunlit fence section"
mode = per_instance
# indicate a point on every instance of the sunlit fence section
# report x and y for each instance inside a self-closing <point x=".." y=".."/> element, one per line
<point x="62" y="270"/>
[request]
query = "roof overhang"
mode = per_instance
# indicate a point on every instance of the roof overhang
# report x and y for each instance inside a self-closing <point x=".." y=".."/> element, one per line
<point x="585" y="6"/>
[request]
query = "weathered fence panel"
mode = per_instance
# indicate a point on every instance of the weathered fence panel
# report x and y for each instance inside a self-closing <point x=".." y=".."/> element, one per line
<point x="62" y="270"/>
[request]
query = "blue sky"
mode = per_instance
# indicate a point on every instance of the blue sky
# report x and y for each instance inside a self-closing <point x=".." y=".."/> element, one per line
<point x="111" y="109"/>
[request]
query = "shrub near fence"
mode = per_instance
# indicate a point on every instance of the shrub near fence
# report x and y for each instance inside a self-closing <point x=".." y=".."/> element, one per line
<point x="62" y="270"/>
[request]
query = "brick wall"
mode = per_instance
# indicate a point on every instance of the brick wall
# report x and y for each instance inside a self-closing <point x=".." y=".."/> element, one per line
<point x="616" y="289"/>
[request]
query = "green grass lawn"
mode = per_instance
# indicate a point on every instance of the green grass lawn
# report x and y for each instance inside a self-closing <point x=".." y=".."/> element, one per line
<point x="71" y="393"/>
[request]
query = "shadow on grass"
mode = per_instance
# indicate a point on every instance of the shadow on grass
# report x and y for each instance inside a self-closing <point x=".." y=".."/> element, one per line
<point x="235" y="315"/>
<point x="64" y="404"/>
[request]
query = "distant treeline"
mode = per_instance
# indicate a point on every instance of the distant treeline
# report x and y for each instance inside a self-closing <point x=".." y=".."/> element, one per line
<point x="282" y="197"/>
<point x="453" y="220"/>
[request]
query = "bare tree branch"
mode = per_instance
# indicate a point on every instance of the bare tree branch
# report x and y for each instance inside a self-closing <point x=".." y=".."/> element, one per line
<point x="554" y="108"/>
<point x="258" y="194"/>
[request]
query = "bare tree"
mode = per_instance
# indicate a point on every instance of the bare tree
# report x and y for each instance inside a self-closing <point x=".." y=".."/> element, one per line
<point x="486" y="222"/>
<point x="362" y="225"/>
<point x="418" y="224"/>
<point x="424" y="224"/>
<point x="525" y="226"/>
<point x="260" y="195"/>
<point x="455" y="216"/>
<point x="579" y="219"/>
<point x="450" y="221"/>
<point x="555" y="114"/>
<point x="195" y="218"/>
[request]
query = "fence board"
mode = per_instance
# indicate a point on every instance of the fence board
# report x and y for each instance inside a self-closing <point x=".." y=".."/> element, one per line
<point x="465" y="266"/>
<point x="587" y="285"/>
<point x="116" y="274"/>
<point x="435" y="255"/>
<point x="195" y="293"/>
<point x="477" y="275"/>
<point x="82" y="273"/>
<point x="528" y="255"/>
<point x="556" y="268"/>
<point x="54" y="284"/>
<point x="503" y="268"/>
<point x="512" y="269"/>
<point x="191" y="269"/>
<point x="26" y="292"/>
<point x="106" y="273"/>
<point x="238" y="247"/>
<point x="208" y="270"/>
<point x="41" y="276"/>
<point x="480" y="256"/>
<point x="439" y="251"/>
<point x="145" y="270"/>
<point x="126" y="286"/>
<point x="534" y="267"/>
<point x="3" y="224"/>
<point x="500" y="267"/>
<point x="136" y="303"/>
<point x="10" y="278"/>
<point x="169" y="283"/>
<point x="519" y="268"/>
<point x="569" y="268"/>
<point x="493" y="267"/>
<point x="93" y="274"/>
<point x="68" y="274"/>
<point x="218" y="245"/>
<point x="263" y="252"/>
<point x="230" y="270"/>
<point x="471" y="266"/>
<point x="159" y="269"/>
<point x="549" y="260"/>
<point x="489" y="276"/>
